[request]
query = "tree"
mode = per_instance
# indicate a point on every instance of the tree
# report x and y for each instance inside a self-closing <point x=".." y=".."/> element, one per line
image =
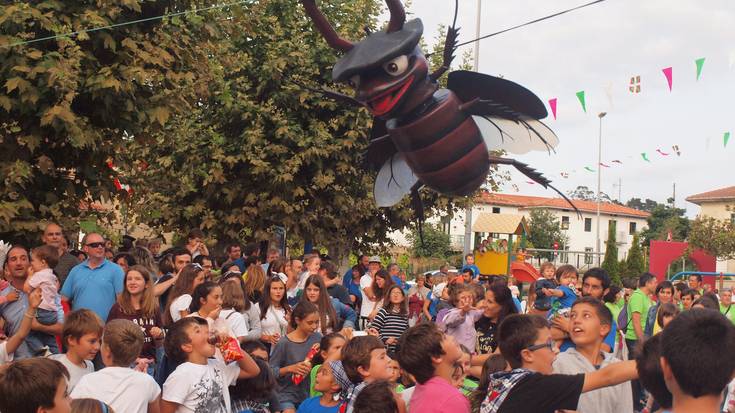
<point x="610" y="263"/>
<point x="585" y="194"/>
<point x="640" y="205"/>
<point x="70" y="103"/>
<point x="635" y="264"/>
<point x="436" y="242"/>
<point x="716" y="237"/>
<point x="664" y="219"/>
<point x="544" y="230"/>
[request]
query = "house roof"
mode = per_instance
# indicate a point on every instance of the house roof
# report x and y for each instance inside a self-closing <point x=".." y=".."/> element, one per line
<point x="500" y="224"/>
<point x="528" y="202"/>
<point x="722" y="194"/>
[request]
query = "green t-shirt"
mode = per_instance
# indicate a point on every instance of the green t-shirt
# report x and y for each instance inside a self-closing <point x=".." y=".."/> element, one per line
<point x="638" y="303"/>
<point x="728" y="311"/>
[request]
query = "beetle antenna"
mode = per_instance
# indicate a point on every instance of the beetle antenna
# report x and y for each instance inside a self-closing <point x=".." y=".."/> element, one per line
<point x="325" y="28"/>
<point x="456" y="9"/>
<point x="397" y="15"/>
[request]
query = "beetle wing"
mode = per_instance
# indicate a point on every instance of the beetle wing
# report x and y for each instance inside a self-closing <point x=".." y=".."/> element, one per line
<point x="472" y="85"/>
<point x="394" y="181"/>
<point x="517" y="136"/>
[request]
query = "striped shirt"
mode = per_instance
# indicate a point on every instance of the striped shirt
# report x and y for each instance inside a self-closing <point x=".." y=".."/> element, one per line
<point x="390" y="325"/>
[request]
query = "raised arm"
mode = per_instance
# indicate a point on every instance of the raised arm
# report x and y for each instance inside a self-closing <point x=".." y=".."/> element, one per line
<point x="34" y="300"/>
<point x="611" y="375"/>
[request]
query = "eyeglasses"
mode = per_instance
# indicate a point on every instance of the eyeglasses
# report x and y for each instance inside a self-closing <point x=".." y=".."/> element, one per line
<point x="197" y="266"/>
<point x="96" y="244"/>
<point x="548" y="344"/>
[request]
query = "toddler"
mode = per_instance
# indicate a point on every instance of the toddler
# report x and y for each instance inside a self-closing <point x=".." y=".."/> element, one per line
<point x="41" y="275"/>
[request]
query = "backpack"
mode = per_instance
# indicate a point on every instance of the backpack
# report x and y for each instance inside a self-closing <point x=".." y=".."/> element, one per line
<point x="623" y="319"/>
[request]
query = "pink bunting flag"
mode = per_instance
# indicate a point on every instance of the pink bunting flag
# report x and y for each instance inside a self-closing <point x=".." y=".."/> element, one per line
<point x="669" y="73"/>
<point x="617" y="161"/>
<point x="531" y="182"/>
<point x="552" y="105"/>
<point x="602" y="164"/>
<point x="662" y="152"/>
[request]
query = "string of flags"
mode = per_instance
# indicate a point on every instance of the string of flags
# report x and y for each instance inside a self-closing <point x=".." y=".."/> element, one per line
<point x="116" y="181"/>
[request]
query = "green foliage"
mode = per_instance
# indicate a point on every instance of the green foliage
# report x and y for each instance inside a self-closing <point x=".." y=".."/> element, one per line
<point x="648" y="205"/>
<point x="544" y="229"/>
<point x="610" y="262"/>
<point x="664" y="219"/>
<point x="436" y="242"/>
<point x="716" y="237"/>
<point x="635" y="263"/>
<point x="586" y="194"/>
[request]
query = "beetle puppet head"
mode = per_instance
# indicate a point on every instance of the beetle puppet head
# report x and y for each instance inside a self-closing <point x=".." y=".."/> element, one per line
<point x="387" y="68"/>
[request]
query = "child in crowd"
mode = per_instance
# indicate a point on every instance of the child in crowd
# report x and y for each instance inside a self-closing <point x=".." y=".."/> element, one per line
<point x="124" y="389"/>
<point x="492" y="364"/>
<point x="329" y="388"/>
<point x="41" y="276"/>
<point x="81" y="335"/>
<point x="395" y="373"/>
<point x="687" y="299"/>
<point x="648" y="363"/>
<point x="696" y="382"/>
<point x="8" y="347"/>
<point x="200" y="381"/>
<point x="666" y="313"/>
<point x="431" y="356"/>
<point x="207" y="304"/>
<point x="364" y="360"/>
<point x="542" y="302"/>
<point x="291" y="356"/>
<point x="273" y="310"/>
<point x="34" y="385"/>
<point x="179" y="297"/>
<point x="138" y="304"/>
<point x="90" y="406"/>
<point x="333" y="314"/>
<point x="392" y="320"/>
<point x="257" y="394"/>
<point x="460" y="321"/>
<point x="378" y="397"/>
<point x="566" y="293"/>
<point x="460" y="379"/>
<point x="330" y="348"/>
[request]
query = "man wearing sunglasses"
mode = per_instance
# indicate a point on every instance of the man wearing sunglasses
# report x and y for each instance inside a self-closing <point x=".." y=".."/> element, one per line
<point x="95" y="283"/>
<point x="526" y="343"/>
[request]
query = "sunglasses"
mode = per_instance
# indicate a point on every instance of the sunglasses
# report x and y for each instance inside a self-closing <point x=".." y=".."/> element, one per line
<point x="96" y="244"/>
<point x="548" y="344"/>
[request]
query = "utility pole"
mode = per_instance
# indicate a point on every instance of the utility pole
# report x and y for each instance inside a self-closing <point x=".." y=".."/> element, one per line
<point x="468" y="211"/>
<point x="599" y="181"/>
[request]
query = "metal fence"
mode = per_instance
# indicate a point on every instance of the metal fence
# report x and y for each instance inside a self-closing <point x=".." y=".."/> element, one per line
<point x="583" y="260"/>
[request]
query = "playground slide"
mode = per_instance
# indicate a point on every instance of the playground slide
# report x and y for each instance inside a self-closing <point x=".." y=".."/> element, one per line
<point x="523" y="271"/>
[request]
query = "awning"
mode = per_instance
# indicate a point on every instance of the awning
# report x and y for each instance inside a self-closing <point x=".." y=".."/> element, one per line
<point x="500" y="224"/>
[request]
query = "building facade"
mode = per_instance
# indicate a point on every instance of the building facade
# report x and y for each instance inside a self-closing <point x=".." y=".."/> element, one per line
<point x="718" y="204"/>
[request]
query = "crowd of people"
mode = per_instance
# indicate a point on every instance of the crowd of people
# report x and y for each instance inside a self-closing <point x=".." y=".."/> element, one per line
<point x="180" y="330"/>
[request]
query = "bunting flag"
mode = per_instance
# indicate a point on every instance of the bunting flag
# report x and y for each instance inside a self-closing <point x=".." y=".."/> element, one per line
<point x="564" y="175"/>
<point x="531" y="182"/>
<point x="675" y="148"/>
<point x="580" y="96"/>
<point x="552" y="105"/>
<point x="662" y="152"/>
<point x="602" y="164"/>
<point x="726" y="138"/>
<point x="515" y="188"/>
<point x="617" y="161"/>
<point x="669" y="73"/>
<point x="645" y="157"/>
<point x="700" y="64"/>
<point x="635" y="84"/>
<point x="589" y="169"/>
<point x="122" y="187"/>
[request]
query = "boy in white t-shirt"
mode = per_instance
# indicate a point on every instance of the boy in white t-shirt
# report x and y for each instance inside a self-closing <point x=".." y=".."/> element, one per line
<point x="8" y="347"/>
<point x="199" y="383"/>
<point x="81" y="334"/>
<point x="124" y="389"/>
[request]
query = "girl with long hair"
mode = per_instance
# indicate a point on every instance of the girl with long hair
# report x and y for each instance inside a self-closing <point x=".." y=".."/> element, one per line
<point x="381" y="283"/>
<point x="138" y="304"/>
<point x="332" y="312"/>
<point x="273" y="311"/>
<point x="498" y="305"/>
<point x="392" y="320"/>
<point x="144" y="257"/>
<point x="179" y="298"/>
<point x="254" y="282"/>
<point x="246" y="308"/>
<point x="233" y="304"/>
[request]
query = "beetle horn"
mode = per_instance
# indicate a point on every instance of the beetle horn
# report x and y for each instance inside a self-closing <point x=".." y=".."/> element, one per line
<point x="325" y="28"/>
<point x="397" y="15"/>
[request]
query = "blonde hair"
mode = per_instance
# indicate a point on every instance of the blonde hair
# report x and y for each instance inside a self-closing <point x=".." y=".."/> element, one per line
<point x="90" y="406"/>
<point x="254" y="279"/>
<point x="148" y="303"/>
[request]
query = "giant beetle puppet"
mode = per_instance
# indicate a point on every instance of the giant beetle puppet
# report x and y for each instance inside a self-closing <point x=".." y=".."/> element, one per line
<point x="424" y="135"/>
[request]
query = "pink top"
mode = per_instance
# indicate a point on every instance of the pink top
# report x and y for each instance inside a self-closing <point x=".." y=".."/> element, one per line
<point x="49" y="288"/>
<point x="438" y="396"/>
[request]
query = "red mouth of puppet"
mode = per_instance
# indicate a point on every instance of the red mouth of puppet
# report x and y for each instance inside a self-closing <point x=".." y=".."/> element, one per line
<point x="386" y="101"/>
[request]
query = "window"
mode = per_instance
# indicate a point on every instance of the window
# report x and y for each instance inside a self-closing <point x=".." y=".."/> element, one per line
<point x="632" y="228"/>
<point x="588" y="257"/>
<point x="564" y="222"/>
<point x="588" y="225"/>
<point x="496" y="210"/>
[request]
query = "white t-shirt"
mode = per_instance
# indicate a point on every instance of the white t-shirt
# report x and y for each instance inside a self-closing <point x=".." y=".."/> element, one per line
<point x="178" y="305"/>
<point x="235" y="322"/>
<point x="274" y="321"/>
<point x="4" y="356"/>
<point x="124" y="389"/>
<point x="367" y="304"/>
<point x="75" y="372"/>
<point x="201" y="388"/>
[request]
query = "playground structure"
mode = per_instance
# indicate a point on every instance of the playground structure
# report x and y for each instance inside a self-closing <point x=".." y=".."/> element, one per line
<point x="664" y="253"/>
<point x="501" y="262"/>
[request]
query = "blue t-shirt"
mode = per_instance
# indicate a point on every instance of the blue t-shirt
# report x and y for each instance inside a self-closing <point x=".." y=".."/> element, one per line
<point x="609" y="339"/>
<point x="312" y="405"/>
<point x="569" y="297"/>
<point x="475" y="270"/>
<point x="95" y="289"/>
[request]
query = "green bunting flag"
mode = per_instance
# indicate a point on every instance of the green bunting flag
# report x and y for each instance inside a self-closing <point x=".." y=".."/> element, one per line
<point x="580" y="96"/>
<point x="700" y="64"/>
<point x="645" y="157"/>
<point x="726" y="138"/>
<point x="589" y="169"/>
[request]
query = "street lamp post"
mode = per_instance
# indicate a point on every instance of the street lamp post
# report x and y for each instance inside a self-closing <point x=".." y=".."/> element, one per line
<point x="599" y="181"/>
<point x="468" y="211"/>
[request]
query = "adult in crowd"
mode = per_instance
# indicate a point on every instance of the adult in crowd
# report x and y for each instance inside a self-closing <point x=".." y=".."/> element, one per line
<point x="53" y="235"/>
<point x="498" y="305"/>
<point x="328" y="272"/>
<point x="638" y="306"/>
<point x="233" y="252"/>
<point x="394" y="272"/>
<point x="181" y="257"/>
<point x="206" y="263"/>
<point x="124" y="260"/>
<point x="369" y="297"/>
<point x="695" y="283"/>
<point x="362" y="267"/>
<point x="353" y="287"/>
<point x="726" y="304"/>
<point x="96" y="282"/>
<point x="664" y="294"/>
<point x="15" y="271"/>
<point x="591" y="322"/>
<point x="195" y="243"/>
<point x="273" y="254"/>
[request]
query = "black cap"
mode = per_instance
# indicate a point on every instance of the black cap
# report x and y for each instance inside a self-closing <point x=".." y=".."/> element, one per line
<point x="376" y="49"/>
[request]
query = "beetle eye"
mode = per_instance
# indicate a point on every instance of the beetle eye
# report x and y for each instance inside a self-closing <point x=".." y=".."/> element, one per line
<point x="397" y="66"/>
<point x="354" y="81"/>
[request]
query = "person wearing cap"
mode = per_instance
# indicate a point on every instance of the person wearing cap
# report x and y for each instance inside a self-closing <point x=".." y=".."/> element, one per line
<point x="368" y="297"/>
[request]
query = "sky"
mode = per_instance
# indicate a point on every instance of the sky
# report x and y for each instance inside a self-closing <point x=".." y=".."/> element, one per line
<point x="598" y="49"/>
